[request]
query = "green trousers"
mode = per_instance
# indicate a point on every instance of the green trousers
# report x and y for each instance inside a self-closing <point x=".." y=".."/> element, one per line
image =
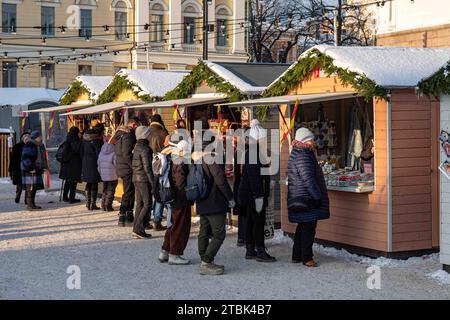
<point x="211" y="235"/>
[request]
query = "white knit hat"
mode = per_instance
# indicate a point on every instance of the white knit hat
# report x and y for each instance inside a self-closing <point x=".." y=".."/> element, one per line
<point x="303" y="135"/>
<point x="257" y="132"/>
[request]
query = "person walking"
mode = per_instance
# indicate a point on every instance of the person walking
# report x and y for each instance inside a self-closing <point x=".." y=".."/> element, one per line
<point x="92" y="144"/>
<point x="125" y="138"/>
<point x="33" y="163"/>
<point x="177" y="235"/>
<point x="70" y="170"/>
<point x="157" y="139"/>
<point x="307" y="196"/>
<point x="212" y="211"/>
<point x="253" y="193"/>
<point x="14" y="165"/>
<point x="106" y="165"/>
<point x="142" y="179"/>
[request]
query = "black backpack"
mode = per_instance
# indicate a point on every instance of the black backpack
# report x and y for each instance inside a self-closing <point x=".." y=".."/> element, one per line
<point x="196" y="183"/>
<point x="63" y="153"/>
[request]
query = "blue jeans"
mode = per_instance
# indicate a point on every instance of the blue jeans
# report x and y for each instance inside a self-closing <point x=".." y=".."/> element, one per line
<point x="158" y="212"/>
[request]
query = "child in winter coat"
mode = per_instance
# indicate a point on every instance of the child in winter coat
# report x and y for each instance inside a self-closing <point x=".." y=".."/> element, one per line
<point x="107" y="169"/>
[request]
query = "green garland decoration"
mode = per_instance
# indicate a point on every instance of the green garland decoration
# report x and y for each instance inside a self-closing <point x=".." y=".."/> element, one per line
<point x="192" y="81"/>
<point x="119" y="84"/>
<point x="438" y="84"/>
<point x="303" y="70"/>
<point x="73" y="93"/>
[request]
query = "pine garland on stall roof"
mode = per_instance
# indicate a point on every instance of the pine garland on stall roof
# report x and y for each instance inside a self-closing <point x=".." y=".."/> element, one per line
<point x="438" y="84"/>
<point x="72" y="94"/>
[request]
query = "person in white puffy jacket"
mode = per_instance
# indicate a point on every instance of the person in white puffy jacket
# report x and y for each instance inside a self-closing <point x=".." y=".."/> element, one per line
<point x="107" y="169"/>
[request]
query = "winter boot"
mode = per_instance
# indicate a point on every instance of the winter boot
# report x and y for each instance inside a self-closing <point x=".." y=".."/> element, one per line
<point x="130" y="217"/>
<point x="18" y="194"/>
<point x="158" y="226"/>
<point x="109" y="201"/>
<point x="210" y="269"/>
<point x="88" y="199"/>
<point x="103" y="205"/>
<point x="93" y="201"/>
<point x="163" y="256"/>
<point x="122" y="219"/>
<point x="263" y="256"/>
<point x="250" y="253"/>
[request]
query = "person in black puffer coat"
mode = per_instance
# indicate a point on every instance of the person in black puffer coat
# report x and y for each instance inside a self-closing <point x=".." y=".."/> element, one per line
<point x="70" y="170"/>
<point x="14" y="164"/>
<point x="142" y="179"/>
<point x="92" y="144"/>
<point x="125" y="141"/>
<point x="306" y="182"/>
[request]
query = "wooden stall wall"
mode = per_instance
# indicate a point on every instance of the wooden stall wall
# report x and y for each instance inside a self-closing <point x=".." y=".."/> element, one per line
<point x="357" y="220"/>
<point x="415" y="184"/>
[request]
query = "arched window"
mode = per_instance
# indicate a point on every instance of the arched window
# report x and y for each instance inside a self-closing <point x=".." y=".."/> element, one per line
<point x="157" y="10"/>
<point x="191" y="11"/>
<point x="120" y="8"/>
<point x="223" y="17"/>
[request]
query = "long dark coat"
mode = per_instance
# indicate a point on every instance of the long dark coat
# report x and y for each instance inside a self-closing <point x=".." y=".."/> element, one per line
<point x="92" y="144"/>
<point x="305" y="179"/>
<point x="14" y="164"/>
<point x="71" y="170"/>
<point x="142" y="162"/>
<point x="33" y="164"/>
<point x="125" y="142"/>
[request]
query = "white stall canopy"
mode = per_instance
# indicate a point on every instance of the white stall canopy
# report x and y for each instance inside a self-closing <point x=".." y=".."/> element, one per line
<point x="291" y="99"/>
<point x="62" y="108"/>
<point x="195" y="100"/>
<point x="103" y="108"/>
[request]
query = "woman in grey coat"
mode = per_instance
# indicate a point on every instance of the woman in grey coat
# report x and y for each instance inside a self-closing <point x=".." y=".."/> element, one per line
<point x="106" y="165"/>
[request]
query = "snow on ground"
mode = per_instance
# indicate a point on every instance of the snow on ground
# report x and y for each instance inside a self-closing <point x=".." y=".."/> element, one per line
<point x="440" y="276"/>
<point x="36" y="248"/>
<point x="5" y="181"/>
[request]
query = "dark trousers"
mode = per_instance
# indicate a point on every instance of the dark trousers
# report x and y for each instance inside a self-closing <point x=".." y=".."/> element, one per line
<point x="303" y="241"/>
<point x="211" y="225"/>
<point x="177" y="235"/>
<point x="70" y="187"/>
<point x="143" y="206"/>
<point x="109" y="189"/>
<point x="127" y="202"/>
<point x="91" y="192"/>
<point x="241" y="224"/>
<point x="254" y="229"/>
<point x="18" y="192"/>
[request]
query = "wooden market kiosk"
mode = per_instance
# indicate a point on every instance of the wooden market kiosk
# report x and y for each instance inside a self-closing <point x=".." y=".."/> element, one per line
<point x="397" y="212"/>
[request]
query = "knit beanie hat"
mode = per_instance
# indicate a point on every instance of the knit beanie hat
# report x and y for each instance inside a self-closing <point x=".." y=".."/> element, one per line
<point x="142" y="132"/>
<point x="303" y="135"/>
<point x="35" y="134"/>
<point x="257" y="132"/>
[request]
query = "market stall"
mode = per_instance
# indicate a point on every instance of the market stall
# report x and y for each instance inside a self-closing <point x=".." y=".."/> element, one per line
<point x="388" y="205"/>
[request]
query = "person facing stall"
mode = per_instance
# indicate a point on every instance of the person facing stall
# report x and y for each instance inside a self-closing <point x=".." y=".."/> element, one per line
<point x="33" y="164"/>
<point x="92" y="144"/>
<point x="14" y="165"/>
<point x="142" y="179"/>
<point x="125" y="138"/>
<point x="253" y="193"/>
<point x="307" y="196"/>
<point x="106" y="165"/>
<point x="71" y="165"/>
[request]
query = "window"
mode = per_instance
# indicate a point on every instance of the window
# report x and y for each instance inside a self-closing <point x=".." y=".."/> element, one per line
<point x="47" y="21"/>
<point x="9" y="74"/>
<point x="222" y="33"/>
<point x="9" y="16"/>
<point x="118" y="68"/>
<point x="156" y="31"/>
<point x="189" y="30"/>
<point x="48" y="75"/>
<point x="85" y="23"/>
<point x="121" y="25"/>
<point x="85" y="70"/>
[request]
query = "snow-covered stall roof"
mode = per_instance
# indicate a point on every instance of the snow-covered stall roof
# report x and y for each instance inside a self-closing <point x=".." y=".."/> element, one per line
<point x="27" y="96"/>
<point x="388" y="67"/>
<point x="155" y="83"/>
<point x="95" y="84"/>
<point x="247" y="82"/>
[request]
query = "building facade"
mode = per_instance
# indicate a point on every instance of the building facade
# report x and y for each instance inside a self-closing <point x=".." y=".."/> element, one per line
<point x="411" y="23"/>
<point x="47" y="43"/>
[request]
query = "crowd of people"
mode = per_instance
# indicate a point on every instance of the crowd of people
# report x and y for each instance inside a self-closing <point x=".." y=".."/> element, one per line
<point x="148" y="160"/>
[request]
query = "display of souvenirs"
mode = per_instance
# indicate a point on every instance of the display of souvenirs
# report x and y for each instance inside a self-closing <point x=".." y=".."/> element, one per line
<point x="325" y="133"/>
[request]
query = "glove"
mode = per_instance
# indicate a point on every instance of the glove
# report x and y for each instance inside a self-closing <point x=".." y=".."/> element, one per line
<point x="317" y="203"/>
<point x="231" y="204"/>
<point x="259" y="203"/>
